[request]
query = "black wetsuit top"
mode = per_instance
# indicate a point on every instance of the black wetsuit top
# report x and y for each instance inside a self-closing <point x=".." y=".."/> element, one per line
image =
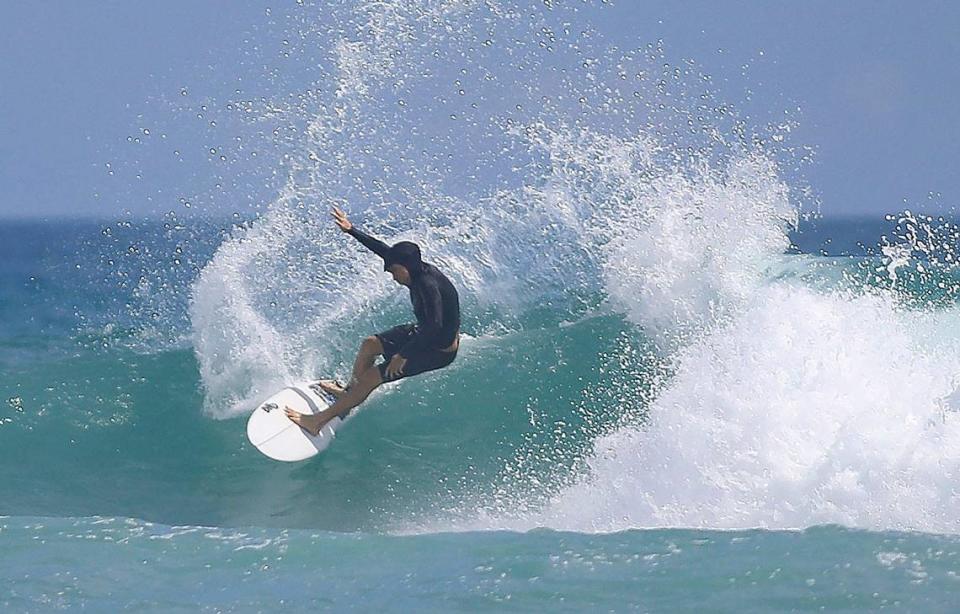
<point x="435" y="300"/>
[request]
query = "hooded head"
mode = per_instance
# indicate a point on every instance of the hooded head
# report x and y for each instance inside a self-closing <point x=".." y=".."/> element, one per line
<point x="406" y="254"/>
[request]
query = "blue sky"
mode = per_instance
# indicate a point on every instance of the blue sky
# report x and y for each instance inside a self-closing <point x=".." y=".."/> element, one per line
<point x="877" y="83"/>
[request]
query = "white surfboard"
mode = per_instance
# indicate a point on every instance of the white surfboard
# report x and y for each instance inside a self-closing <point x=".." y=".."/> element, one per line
<point x="271" y="432"/>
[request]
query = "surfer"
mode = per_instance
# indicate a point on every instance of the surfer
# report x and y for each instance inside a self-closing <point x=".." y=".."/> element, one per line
<point x="407" y="349"/>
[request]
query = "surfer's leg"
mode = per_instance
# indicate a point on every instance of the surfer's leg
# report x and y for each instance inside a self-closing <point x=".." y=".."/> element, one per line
<point x="358" y="392"/>
<point x="369" y="350"/>
<point x="386" y="343"/>
<point x="355" y="395"/>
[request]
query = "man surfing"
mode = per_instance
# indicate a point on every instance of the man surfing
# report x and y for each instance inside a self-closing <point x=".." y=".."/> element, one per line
<point x="407" y="349"/>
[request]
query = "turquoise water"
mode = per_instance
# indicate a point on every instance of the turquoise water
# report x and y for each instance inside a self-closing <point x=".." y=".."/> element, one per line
<point x="120" y="491"/>
<point x="133" y="412"/>
<point x="675" y="391"/>
<point x="115" y="564"/>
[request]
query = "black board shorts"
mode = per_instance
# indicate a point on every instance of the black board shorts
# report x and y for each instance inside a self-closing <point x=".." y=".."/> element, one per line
<point x="395" y="338"/>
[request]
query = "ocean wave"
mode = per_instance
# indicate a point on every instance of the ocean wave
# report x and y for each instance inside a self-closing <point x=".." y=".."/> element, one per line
<point x="786" y="400"/>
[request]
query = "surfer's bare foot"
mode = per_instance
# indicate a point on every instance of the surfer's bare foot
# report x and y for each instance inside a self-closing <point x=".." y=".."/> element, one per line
<point x="333" y="387"/>
<point x="312" y="423"/>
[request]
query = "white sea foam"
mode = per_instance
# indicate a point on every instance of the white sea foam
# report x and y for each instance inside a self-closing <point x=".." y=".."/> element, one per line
<point x="697" y="246"/>
<point x="806" y="409"/>
<point x="789" y="407"/>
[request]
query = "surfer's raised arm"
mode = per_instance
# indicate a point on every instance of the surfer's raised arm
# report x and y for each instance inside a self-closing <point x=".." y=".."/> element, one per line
<point x="375" y="245"/>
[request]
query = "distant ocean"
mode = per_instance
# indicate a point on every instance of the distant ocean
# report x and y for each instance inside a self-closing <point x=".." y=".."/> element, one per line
<point x="678" y="390"/>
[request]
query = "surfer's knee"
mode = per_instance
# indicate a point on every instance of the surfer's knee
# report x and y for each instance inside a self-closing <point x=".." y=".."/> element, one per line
<point x="371" y="345"/>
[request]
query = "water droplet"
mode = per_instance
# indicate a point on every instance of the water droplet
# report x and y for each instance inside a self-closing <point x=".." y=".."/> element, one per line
<point x="16" y="403"/>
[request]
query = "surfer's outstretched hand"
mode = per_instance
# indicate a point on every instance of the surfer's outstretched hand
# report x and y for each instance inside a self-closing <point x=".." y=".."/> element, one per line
<point x="341" y="219"/>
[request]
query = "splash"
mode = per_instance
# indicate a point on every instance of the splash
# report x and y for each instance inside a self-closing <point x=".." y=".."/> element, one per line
<point x="531" y="214"/>
<point x="695" y="253"/>
<point x="623" y="185"/>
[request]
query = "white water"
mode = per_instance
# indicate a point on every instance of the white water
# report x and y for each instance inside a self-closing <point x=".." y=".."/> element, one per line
<point x="806" y="409"/>
<point x="790" y="407"/>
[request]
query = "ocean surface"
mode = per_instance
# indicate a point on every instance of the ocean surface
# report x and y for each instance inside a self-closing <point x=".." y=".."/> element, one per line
<point x="679" y="388"/>
<point x="802" y="455"/>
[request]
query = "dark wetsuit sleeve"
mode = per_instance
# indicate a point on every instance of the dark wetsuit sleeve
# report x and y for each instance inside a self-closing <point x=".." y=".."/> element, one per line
<point x="430" y="327"/>
<point x="376" y="246"/>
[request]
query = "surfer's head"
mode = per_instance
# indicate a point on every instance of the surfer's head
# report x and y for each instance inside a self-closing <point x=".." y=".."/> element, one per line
<point x="403" y="261"/>
<point x="400" y="274"/>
